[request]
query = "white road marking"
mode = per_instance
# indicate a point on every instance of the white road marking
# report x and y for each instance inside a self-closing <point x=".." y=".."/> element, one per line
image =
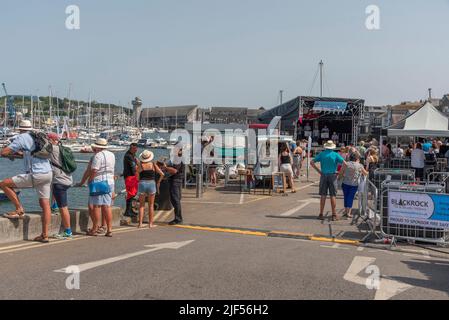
<point x="242" y="198"/>
<point x="154" y="247"/>
<point x="334" y="246"/>
<point x="305" y="187"/>
<point x="157" y="216"/>
<point x="390" y="288"/>
<point x="358" y="265"/>
<point x="383" y="251"/>
<point x="295" y="210"/>
<point x="360" y="249"/>
<point x="166" y="216"/>
<point x="35" y="245"/>
<point x="387" y="288"/>
<point x="426" y="254"/>
<point x="417" y="256"/>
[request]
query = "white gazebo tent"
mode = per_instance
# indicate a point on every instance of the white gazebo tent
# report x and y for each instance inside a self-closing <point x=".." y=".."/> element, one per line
<point x="425" y="122"/>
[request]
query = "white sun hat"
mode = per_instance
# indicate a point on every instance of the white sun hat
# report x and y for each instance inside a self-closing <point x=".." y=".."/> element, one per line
<point x="100" y="144"/>
<point x="146" y="156"/>
<point x="330" y="145"/>
<point x="25" y="125"/>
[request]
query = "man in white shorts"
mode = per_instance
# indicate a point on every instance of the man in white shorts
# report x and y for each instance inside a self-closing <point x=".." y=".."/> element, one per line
<point x="38" y="175"/>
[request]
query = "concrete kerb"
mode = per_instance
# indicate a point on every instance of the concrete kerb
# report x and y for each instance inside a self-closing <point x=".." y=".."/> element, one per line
<point x="270" y="233"/>
<point x="31" y="226"/>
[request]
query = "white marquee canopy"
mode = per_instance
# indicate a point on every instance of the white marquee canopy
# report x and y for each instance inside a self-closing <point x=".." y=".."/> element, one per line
<point x="425" y="122"/>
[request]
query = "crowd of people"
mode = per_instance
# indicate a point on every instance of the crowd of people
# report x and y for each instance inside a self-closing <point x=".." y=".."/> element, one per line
<point x="45" y="171"/>
<point x="350" y="164"/>
<point x="348" y="167"/>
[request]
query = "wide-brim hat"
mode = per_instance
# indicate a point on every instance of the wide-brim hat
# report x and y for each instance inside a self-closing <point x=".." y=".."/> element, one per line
<point x="100" y="144"/>
<point x="330" y="145"/>
<point x="25" y="125"/>
<point x="146" y="156"/>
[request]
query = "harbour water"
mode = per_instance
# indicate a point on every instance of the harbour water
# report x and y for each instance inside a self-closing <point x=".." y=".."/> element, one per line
<point x="77" y="196"/>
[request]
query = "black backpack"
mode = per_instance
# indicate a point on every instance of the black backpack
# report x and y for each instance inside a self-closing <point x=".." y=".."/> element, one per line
<point x="43" y="147"/>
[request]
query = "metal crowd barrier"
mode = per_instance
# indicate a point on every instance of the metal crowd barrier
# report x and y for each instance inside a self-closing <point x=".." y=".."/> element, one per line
<point x="442" y="165"/>
<point x="398" y="175"/>
<point x="439" y="177"/>
<point x="398" y="163"/>
<point x="369" y="211"/>
<point x="409" y="232"/>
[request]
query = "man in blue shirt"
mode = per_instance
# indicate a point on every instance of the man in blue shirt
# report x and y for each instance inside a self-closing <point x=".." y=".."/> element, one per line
<point x="427" y="146"/>
<point x="329" y="160"/>
<point x="37" y="174"/>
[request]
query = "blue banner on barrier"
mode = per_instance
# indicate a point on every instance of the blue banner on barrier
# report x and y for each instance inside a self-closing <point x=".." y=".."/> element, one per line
<point x="419" y="209"/>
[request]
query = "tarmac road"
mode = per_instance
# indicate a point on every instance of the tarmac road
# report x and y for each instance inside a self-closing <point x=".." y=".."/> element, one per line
<point x="215" y="265"/>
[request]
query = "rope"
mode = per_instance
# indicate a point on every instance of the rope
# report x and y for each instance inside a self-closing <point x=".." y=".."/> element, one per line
<point x="314" y="81"/>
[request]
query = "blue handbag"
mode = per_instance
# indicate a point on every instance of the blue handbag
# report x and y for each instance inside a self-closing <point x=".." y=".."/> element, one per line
<point x="100" y="188"/>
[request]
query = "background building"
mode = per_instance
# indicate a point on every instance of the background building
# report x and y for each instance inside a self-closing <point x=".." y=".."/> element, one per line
<point x="169" y="118"/>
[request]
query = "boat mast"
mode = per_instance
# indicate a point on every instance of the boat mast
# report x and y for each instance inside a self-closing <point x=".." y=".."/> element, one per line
<point x="32" y="111"/>
<point x="50" y="103"/>
<point x="70" y="102"/>
<point x="5" y="119"/>
<point x="321" y="78"/>
<point x="39" y="112"/>
<point x="88" y="127"/>
<point x="57" y="105"/>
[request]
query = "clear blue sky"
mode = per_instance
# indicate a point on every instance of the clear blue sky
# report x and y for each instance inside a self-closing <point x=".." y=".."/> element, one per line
<point x="225" y="52"/>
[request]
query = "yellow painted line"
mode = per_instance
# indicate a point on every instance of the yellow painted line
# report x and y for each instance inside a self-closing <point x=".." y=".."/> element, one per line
<point x="341" y="241"/>
<point x="223" y="230"/>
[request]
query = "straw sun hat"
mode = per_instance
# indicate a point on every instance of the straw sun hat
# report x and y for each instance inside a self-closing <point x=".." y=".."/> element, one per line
<point x="146" y="156"/>
<point x="330" y="145"/>
<point x="100" y="144"/>
<point x="25" y="125"/>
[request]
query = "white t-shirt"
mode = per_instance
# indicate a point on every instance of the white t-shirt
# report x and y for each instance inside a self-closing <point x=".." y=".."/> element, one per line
<point x="104" y="163"/>
<point x="418" y="158"/>
<point x="398" y="152"/>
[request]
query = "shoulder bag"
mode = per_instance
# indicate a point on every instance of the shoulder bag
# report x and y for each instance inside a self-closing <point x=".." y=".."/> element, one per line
<point x="100" y="188"/>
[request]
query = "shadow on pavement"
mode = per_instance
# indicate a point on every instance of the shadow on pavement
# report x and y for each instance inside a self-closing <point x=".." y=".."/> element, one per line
<point x="436" y="272"/>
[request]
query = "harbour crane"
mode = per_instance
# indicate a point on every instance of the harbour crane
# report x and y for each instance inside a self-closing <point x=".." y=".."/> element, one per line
<point x="10" y="106"/>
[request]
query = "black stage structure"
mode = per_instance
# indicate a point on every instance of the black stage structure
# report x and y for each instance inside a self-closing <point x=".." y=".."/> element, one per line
<point x="304" y="116"/>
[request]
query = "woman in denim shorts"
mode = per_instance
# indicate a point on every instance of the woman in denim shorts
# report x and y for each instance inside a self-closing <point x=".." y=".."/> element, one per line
<point x="146" y="174"/>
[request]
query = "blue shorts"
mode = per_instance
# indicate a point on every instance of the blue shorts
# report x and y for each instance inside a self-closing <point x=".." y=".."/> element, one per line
<point x="147" y="187"/>
<point x="60" y="194"/>
<point x="103" y="200"/>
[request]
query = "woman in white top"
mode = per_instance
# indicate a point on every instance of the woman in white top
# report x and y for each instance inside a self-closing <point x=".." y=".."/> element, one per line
<point x="418" y="162"/>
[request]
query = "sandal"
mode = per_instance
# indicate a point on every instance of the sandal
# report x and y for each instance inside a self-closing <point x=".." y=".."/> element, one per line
<point x="42" y="239"/>
<point x="335" y="218"/>
<point x="101" y="230"/>
<point x="92" y="233"/>
<point x="321" y="217"/>
<point x="14" y="215"/>
<point x="108" y="234"/>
